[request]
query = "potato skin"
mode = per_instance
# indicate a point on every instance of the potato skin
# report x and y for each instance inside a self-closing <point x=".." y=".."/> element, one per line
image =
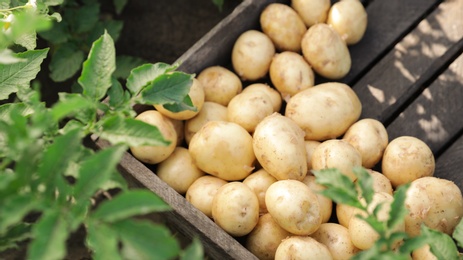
<point x="407" y="158"/>
<point x="349" y="18"/>
<point x="202" y="191"/>
<point x="312" y="11"/>
<point x="284" y="26"/>
<point x="333" y="107"/>
<point x="326" y="51"/>
<point x="235" y="208"/>
<point x="211" y="111"/>
<point x="259" y="182"/>
<point x="220" y="84"/>
<point x="252" y="54"/>
<point x="336" y="238"/>
<point x="302" y="247"/>
<point x="156" y="154"/>
<point x="279" y="147"/>
<point x="274" y="95"/>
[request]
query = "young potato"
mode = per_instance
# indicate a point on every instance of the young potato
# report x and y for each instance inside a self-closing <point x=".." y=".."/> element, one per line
<point x="336" y="238"/>
<point x="156" y="154"/>
<point x="344" y="213"/>
<point x="337" y="154"/>
<point x="380" y="182"/>
<point x="179" y="126"/>
<point x="349" y="19"/>
<point x="309" y="148"/>
<point x="249" y="108"/>
<point x="326" y="204"/>
<point x="259" y="182"/>
<point x="326" y="51"/>
<point x="235" y="208"/>
<point x="252" y="54"/>
<point x="333" y="107"/>
<point x="362" y="235"/>
<point x="211" y="111"/>
<point x="294" y="206"/>
<point x="370" y="138"/>
<point x="223" y="149"/>
<point x="271" y="92"/>
<point x="202" y="191"/>
<point x="406" y="159"/>
<point x="424" y="253"/>
<point x="178" y="170"/>
<point x="197" y="98"/>
<point x="284" y="26"/>
<point x="290" y="73"/>
<point x="312" y="11"/>
<point x="302" y="247"/>
<point x="265" y="238"/>
<point x="435" y="202"/>
<point x="279" y="147"/>
<point x="220" y="84"/>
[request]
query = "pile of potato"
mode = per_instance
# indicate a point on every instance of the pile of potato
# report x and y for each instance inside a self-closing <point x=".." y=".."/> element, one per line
<point x="244" y="157"/>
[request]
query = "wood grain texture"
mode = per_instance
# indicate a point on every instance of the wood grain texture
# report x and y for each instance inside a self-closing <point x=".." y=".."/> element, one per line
<point x="450" y="165"/>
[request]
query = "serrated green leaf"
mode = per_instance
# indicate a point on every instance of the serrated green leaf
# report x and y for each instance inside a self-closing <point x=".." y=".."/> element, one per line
<point x="49" y="237"/>
<point x="119" y="5"/>
<point x="144" y="240"/>
<point x="21" y="108"/>
<point x="128" y="204"/>
<point x="84" y="18"/>
<point x="14" y="208"/>
<point x="58" y="34"/>
<point x="141" y="76"/>
<point x="14" y="235"/>
<point x="53" y="2"/>
<point x="7" y="56"/>
<point x="20" y="74"/>
<point x="96" y="170"/>
<point x="70" y="104"/>
<point x="441" y="244"/>
<point x="113" y="27"/>
<point x="132" y="132"/>
<point x="411" y="244"/>
<point x="98" y="68"/>
<point x="187" y="104"/>
<point x="125" y="64"/>
<point x="194" y="251"/>
<point x="103" y="241"/>
<point x="365" y="183"/>
<point x="458" y="233"/>
<point x="398" y="209"/>
<point x="65" y="62"/>
<point x="169" y="88"/>
<point x="6" y="177"/>
<point x="116" y="94"/>
<point x="27" y="40"/>
<point x="115" y="182"/>
<point x="339" y="187"/>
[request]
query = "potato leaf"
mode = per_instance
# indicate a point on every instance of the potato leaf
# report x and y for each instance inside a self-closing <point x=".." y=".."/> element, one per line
<point x="14" y="208"/>
<point x="50" y="234"/>
<point x="14" y="235"/>
<point x="458" y="234"/>
<point x="20" y="74"/>
<point x="144" y="240"/>
<point x="129" y="131"/>
<point x="340" y="188"/>
<point x="65" y="62"/>
<point x="441" y="244"/>
<point x="141" y="76"/>
<point x="125" y="64"/>
<point x="70" y="104"/>
<point x="194" y="251"/>
<point x="128" y="204"/>
<point x="103" y="241"/>
<point x="365" y="182"/>
<point x="398" y="209"/>
<point x="98" y="68"/>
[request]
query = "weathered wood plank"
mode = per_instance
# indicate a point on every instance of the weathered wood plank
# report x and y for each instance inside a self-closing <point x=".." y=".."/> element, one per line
<point x="389" y="80"/>
<point x="450" y="164"/>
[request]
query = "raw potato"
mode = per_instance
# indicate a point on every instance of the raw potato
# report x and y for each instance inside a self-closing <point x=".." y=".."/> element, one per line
<point x="363" y="236"/>
<point x="252" y="54"/>
<point x="370" y="138"/>
<point x="349" y="19"/>
<point x="259" y="182"/>
<point x="211" y="111"/>
<point x="294" y="206"/>
<point x="156" y="154"/>
<point x="336" y="238"/>
<point x="249" y="108"/>
<point x="235" y="208"/>
<point x="302" y="247"/>
<point x="284" y="26"/>
<point x="309" y="148"/>
<point x="179" y="126"/>
<point x="435" y="202"/>
<point x="290" y="74"/>
<point x="223" y="149"/>
<point x="324" y="111"/>
<point x="197" y="98"/>
<point x="406" y="159"/>
<point x="344" y="213"/>
<point x="337" y="154"/>
<point x="423" y="253"/>
<point x="265" y="238"/>
<point x="202" y="191"/>
<point x="326" y="51"/>
<point x="312" y="11"/>
<point x="380" y="182"/>
<point x="279" y="147"/>
<point x="220" y="84"/>
<point x="178" y="170"/>
<point x="271" y="92"/>
<point x="326" y="204"/>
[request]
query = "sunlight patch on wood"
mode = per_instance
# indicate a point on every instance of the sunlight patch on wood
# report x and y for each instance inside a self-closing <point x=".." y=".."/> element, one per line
<point x="434" y="129"/>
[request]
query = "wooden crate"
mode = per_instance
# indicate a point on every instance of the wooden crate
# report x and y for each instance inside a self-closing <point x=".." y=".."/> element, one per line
<point x="407" y="72"/>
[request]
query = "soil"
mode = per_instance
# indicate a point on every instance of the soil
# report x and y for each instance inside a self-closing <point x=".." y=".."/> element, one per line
<point x="157" y="31"/>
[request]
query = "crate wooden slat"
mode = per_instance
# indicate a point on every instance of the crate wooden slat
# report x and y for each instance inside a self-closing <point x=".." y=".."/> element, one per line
<point x="450" y="164"/>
